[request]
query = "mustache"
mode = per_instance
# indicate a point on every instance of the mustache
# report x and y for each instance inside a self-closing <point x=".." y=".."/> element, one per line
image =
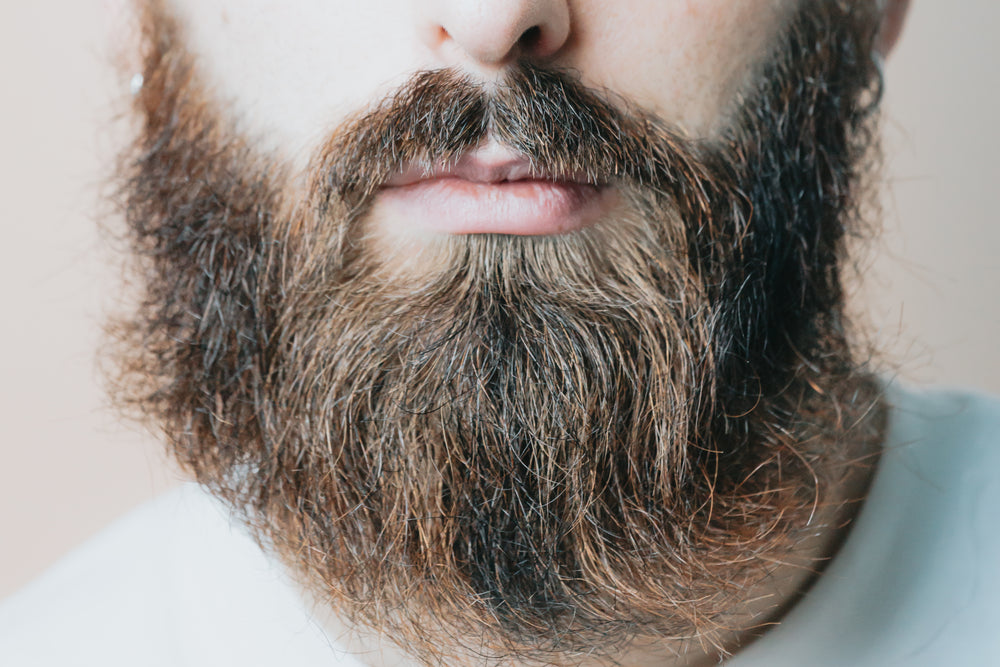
<point x="564" y="128"/>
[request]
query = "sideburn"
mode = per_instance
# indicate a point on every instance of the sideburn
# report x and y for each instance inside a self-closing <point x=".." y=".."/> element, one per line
<point x="549" y="445"/>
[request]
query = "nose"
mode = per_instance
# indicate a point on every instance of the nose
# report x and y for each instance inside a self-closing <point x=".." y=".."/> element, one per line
<point x="489" y="34"/>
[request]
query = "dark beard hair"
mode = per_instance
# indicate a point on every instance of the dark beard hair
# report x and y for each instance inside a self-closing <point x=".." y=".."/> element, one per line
<point x="542" y="445"/>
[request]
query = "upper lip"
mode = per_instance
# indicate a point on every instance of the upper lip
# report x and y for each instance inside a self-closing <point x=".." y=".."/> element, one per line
<point x="489" y="162"/>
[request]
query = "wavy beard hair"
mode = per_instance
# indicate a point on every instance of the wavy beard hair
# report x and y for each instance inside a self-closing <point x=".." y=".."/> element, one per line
<point x="522" y="447"/>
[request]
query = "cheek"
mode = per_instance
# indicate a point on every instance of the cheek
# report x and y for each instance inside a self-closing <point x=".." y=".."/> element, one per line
<point x="685" y="60"/>
<point x="291" y="75"/>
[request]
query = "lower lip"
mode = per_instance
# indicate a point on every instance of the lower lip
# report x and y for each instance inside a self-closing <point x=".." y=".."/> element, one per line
<point x="525" y="208"/>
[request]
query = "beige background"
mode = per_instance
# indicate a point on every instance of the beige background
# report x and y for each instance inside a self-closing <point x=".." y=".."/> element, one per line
<point x="66" y="468"/>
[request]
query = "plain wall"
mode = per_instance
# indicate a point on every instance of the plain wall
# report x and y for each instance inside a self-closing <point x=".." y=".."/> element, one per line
<point x="67" y="468"/>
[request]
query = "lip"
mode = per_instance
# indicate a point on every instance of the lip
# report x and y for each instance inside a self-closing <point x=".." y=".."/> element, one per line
<point x="489" y="190"/>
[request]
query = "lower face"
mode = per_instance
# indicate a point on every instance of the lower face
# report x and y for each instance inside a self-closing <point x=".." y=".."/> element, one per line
<point x="541" y="401"/>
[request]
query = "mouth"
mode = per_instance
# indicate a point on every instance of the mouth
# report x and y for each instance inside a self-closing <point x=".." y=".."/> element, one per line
<point x="490" y="190"/>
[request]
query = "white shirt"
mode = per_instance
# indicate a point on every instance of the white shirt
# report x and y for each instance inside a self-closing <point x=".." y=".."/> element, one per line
<point x="916" y="584"/>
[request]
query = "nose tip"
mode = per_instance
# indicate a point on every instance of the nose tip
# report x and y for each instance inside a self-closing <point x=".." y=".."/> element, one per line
<point x="493" y="33"/>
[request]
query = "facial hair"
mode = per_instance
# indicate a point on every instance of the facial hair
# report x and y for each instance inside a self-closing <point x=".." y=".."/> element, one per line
<point x="526" y="446"/>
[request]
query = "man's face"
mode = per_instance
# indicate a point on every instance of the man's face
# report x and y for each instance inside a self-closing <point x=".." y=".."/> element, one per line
<point x="513" y="326"/>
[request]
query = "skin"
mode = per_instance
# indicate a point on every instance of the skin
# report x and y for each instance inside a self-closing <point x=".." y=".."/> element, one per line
<point x="292" y="73"/>
<point x="283" y="72"/>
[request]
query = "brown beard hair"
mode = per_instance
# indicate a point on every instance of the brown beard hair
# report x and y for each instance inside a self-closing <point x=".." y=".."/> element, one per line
<point x="542" y="446"/>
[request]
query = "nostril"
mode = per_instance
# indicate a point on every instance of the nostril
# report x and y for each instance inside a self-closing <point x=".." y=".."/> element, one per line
<point x="530" y="38"/>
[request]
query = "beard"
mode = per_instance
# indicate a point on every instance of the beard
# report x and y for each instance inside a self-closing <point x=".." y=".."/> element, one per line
<point x="517" y="446"/>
